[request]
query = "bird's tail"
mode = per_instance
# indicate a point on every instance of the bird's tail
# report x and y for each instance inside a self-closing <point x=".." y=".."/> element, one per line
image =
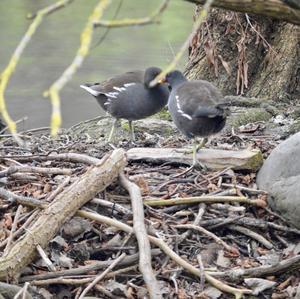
<point x="212" y="111"/>
<point x="89" y="89"/>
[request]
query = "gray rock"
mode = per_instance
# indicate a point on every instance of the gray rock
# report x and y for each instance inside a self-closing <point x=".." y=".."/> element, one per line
<point x="284" y="198"/>
<point x="280" y="177"/>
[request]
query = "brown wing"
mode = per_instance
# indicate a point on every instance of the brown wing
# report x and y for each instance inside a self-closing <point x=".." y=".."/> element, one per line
<point x="118" y="81"/>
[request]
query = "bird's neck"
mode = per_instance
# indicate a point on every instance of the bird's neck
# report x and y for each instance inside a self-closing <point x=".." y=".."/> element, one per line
<point x="177" y="81"/>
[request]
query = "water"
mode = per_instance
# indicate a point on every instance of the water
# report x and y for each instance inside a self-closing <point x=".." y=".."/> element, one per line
<point x="55" y="43"/>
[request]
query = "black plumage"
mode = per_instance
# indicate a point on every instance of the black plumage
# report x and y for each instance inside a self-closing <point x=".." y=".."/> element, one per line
<point x="129" y="96"/>
<point x="197" y="107"/>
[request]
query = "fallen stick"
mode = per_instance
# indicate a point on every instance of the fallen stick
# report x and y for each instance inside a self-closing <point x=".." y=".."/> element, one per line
<point x="214" y="159"/>
<point x="80" y="281"/>
<point x="209" y="234"/>
<point x="102" y="275"/>
<point x="246" y="231"/>
<point x="205" y="199"/>
<point x="65" y="205"/>
<point x="97" y="265"/>
<point x="283" y="266"/>
<point x="42" y="170"/>
<point x="142" y="237"/>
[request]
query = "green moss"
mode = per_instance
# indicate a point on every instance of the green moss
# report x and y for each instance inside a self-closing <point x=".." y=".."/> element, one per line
<point x="125" y="126"/>
<point x="164" y="114"/>
<point x="255" y="162"/>
<point x="296" y="113"/>
<point x="294" y="128"/>
<point x="250" y="116"/>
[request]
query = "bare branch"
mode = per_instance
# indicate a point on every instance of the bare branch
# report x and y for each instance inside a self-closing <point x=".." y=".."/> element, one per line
<point x="142" y="237"/>
<point x="152" y="18"/>
<point x="82" y="52"/>
<point x="103" y="274"/>
<point x="202" y="15"/>
<point x="8" y="71"/>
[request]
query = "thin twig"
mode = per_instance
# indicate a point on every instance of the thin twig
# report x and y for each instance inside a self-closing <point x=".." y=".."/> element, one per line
<point x="20" y="230"/>
<point x="196" y="222"/>
<point x="248" y="190"/>
<point x="98" y="278"/>
<point x="209" y="234"/>
<point x="205" y="199"/>
<point x="10" y="68"/>
<point x="13" y="228"/>
<point x="251" y="234"/>
<point x="112" y="205"/>
<point x="82" y="52"/>
<point x="152" y="18"/>
<point x="202" y="275"/>
<point x="22" y="291"/>
<point x="45" y="258"/>
<point x="202" y="15"/>
<point x="283" y="266"/>
<point x="58" y="190"/>
<point x="67" y="157"/>
<point x="51" y="277"/>
<point x="42" y="170"/>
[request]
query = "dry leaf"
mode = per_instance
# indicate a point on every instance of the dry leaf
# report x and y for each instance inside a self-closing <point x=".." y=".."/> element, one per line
<point x="225" y="65"/>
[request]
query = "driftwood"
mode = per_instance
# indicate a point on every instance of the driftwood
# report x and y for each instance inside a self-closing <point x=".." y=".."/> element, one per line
<point x="211" y="158"/>
<point x="270" y="8"/>
<point x="96" y="179"/>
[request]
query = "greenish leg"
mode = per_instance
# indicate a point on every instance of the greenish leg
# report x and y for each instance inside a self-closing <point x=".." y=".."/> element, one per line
<point x="196" y="147"/>
<point x="131" y="130"/>
<point x="111" y="134"/>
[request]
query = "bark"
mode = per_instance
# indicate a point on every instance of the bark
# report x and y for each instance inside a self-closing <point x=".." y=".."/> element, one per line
<point x="247" y="54"/>
<point x="288" y="11"/>
<point x="95" y="180"/>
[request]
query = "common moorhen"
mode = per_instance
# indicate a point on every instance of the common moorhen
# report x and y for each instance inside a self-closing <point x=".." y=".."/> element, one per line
<point x="197" y="108"/>
<point x="129" y="96"/>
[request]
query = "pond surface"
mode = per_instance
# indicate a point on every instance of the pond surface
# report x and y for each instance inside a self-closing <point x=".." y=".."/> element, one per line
<point x="56" y="41"/>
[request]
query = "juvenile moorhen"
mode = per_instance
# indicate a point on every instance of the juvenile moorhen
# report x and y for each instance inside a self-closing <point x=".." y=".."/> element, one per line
<point x="129" y="96"/>
<point x="197" y="108"/>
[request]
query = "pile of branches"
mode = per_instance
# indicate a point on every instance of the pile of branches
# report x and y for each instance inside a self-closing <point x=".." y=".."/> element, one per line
<point x="78" y="219"/>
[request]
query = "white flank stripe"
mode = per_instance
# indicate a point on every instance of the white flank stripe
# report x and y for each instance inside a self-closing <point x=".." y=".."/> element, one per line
<point x="129" y="84"/>
<point x="112" y="94"/>
<point x="119" y="88"/>
<point x="179" y="110"/>
<point x="186" y="116"/>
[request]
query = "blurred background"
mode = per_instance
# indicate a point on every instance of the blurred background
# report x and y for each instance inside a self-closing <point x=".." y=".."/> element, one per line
<point x="56" y="41"/>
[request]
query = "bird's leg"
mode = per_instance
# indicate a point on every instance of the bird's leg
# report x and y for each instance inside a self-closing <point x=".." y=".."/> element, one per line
<point x="131" y="130"/>
<point x="196" y="147"/>
<point x="201" y="144"/>
<point x="110" y="137"/>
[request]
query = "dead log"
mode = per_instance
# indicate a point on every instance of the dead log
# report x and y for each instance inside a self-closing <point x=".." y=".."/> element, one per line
<point x="215" y="159"/>
<point x="63" y="207"/>
<point x="276" y="9"/>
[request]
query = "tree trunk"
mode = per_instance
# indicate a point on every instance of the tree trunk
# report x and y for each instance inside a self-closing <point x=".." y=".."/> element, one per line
<point x="284" y="10"/>
<point x="247" y="54"/>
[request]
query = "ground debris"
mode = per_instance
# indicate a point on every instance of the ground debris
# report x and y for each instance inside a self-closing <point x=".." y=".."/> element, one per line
<point x="233" y="236"/>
